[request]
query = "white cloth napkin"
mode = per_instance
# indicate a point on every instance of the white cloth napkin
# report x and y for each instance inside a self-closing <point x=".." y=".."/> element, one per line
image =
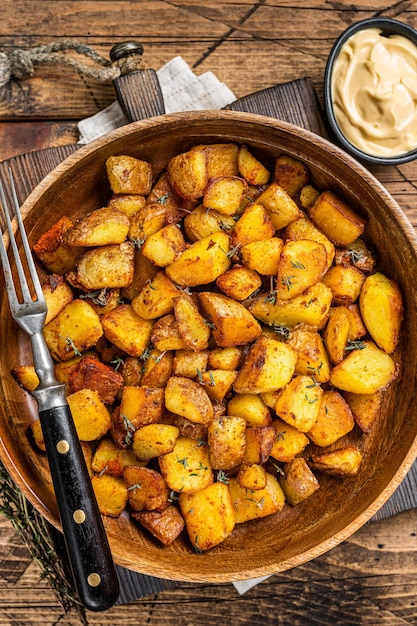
<point x="182" y="91"/>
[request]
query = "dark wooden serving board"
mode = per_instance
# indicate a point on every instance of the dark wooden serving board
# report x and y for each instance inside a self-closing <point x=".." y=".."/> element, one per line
<point x="295" y="102"/>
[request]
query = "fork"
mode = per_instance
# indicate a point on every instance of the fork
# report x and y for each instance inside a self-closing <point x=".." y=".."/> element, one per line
<point x="86" y="542"/>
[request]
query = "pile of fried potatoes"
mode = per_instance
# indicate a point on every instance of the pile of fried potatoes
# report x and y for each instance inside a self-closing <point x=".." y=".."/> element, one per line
<point x="220" y="329"/>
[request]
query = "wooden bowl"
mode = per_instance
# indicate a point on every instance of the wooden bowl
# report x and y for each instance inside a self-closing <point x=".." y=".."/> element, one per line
<point x="339" y="507"/>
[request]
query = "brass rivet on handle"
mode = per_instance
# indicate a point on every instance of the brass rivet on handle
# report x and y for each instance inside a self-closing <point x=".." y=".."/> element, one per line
<point x="78" y="516"/>
<point x="94" y="579"/>
<point x="62" y="446"/>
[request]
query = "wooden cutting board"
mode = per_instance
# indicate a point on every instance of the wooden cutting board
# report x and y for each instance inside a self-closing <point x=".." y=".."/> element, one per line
<point x="295" y="102"/>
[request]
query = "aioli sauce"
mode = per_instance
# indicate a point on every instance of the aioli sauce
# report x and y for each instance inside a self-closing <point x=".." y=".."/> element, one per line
<point x="374" y="91"/>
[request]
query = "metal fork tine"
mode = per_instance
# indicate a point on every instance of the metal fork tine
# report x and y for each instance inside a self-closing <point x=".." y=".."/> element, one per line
<point x="11" y="291"/>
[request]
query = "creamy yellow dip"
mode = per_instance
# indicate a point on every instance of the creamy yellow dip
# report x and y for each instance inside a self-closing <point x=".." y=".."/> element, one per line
<point x="374" y="91"/>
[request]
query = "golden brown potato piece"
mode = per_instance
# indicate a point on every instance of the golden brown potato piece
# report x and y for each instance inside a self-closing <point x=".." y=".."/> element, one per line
<point x="367" y="369"/>
<point x="187" y="174"/>
<point x="166" y="334"/>
<point x="298" y="482"/>
<point x="191" y="324"/>
<point x="312" y="358"/>
<point x="336" y="219"/>
<point x="156" y="298"/>
<point x="99" y="228"/>
<point x="342" y="462"/>
<point x="111" y="494"/>
<point x="334" y="420"/>
<point x="357" y="254"/>
<point x="308" y="195"/>
<point x="226" y="441"/>
<point x="91" y="417"/>
<point x="336" y="333"/>
<point x="251" y="168"/>
<point x="225" y="358"/>
<point x="256" y="503"/>
<point x="90" y="373"/>
<point x="262" y="256"/>
<point x="203" y="262"/>
<point x="187" y="468"/>
<point x="269" y="365"/>
<point x="304" y="228"/>
<point x="280" y="207"/>
<point x="202" y="223"/>
<point x="37" y="434"/>
<point x="357" y="328"/>
<point x="108" y="459"/>
<point x="253" y="225"/>
<point x="189" y="364"/>
<point x="185" y="397"/>
<point x="239" y="282"/>
<point x="217" y="383"/>
<point x="129" y="175"/>
<point x="126" y="330"/>
<point x="57" y="294"/>
<point x="146" y="489"/>
<point x="232" y="324"/>
<point x="145" y="222"/>
<point x="163" y="194"/>
<point x="57" y="256"/>
<point x="106" y="266"/>
<point x="365" y="408"/>
<point x="143" y="273"/>
<point x="291" y="174"/>
<point x="252" y="476"/>
<point x="157" y="369"/>
<point x="208" y="515"/>
<point x="26" y="376"/>
<point x="141" y="406"/>
<point x="163" y="247"/>
<point x="221" y="159"/>
<point x="224" y="194"/>
<point x="152" y="440"/>
<point x="75" y="329"/>
<point x="165" y="525"/>
<point x="381" y="306"/>
<point x="251" y="407"/>
<point x="128" y="204"/>
<point x="346" y="282"/>
<point x="259" y="442"/>
<point x="299" y="403"/>
<point x="302" y="264"/>
<point x="289" y="442"/>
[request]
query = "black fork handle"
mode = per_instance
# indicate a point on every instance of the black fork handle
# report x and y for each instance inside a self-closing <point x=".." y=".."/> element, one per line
<point x="85" y="537"/>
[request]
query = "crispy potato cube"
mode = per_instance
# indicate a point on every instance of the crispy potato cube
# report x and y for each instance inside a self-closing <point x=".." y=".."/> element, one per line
<point x="312" y="358"/>
<point x="143" y="274"/>
<point x="308" y="195"/>
<point x="188" y="363"/>
<point x="185" y="397"/>
<point x="146" y="222"/>
<point x="291" y="174"/>
<point x="336" y="219"/>
<point x="221" y="159"/>
<point x="131" y="370"/>
<point x="302" y="264"/>
<point x="334" y="420"/>
<point x="310" y="308"/>
<point x="146" y="489"/>
<point x="343" y="462"/>
<point x="191" y="324"/>
<point x="157" y="369"/>
<point x="126" y="203"/>
<point x="111" y="494"/>
<point x="263" y="256"/>
<point x="365" y="408"/>
<point x="162" y="193"/>
<point x="190" y="429"/>
<point x="166" y="334"/>
<point x="252" y="476"/>
<point x="251" y="407"/>
<point x="233" y="324"/>
<point x="208" y="515"/>
<point x="336" y="333"/>
<point x="254" y="225"/>
<point x="26" y="376"/>
<point x="163" y="247"/>
<point x="104" y="300"/>
<point x="289" y="442"/>
<point x="129" y="175"/>
<point x="106" y="266"/>
<point x="226" y="441"/>
<point x="281" y="208"/>
<point x="224" y="194"/>
<point x="57" y="294"/>
<point x="217" y="383"/>
<point x="224" y="358"/>
<point x="153" y="440"/>
<point x="381" y="306"/>
<point x="99" y="228"/>
<point x="256" y="503"/>
<point x="57" y="256"/>
<point x="126" y="330"/>
<point x="64" y="369"/>
<point x="187" y="468"/>
<point x="187" y="174"/>
<point x="298" y="482"/>
<point x="140" y="406"/>
<point x="357" y="328"/>
<point x="239" y="282"/>
<point x="75" y="329"/>
<point x="269" y="398"/>
<point x="156" y="298"/>
<point x="346" y="282"/>
<point x="90" y="373"/>
<point x="165" y="525"/>
<point x="203" y="262"/>
<point x="357" y="254"/>
<point x="259" y="442"/>
<point x="91" y="417"/>
<point x="364" y="370"/>
<point x="269" y="365"/>
<point x="37" y="434"/>
<point x="111" y="460"/>
<point x="251" y="168"/>
<point x="299" y="403"/>
<point x="305" y="229"/>
<point x="202" y="223"/>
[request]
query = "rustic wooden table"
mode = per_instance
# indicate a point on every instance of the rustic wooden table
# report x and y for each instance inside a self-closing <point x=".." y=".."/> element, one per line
<point x="372" y="577"/>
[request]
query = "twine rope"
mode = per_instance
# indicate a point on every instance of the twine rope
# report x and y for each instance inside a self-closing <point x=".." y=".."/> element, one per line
<point x="20" y="64"/>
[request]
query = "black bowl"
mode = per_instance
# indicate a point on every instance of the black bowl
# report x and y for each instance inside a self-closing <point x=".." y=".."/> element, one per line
<point x="388" y="27"/>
